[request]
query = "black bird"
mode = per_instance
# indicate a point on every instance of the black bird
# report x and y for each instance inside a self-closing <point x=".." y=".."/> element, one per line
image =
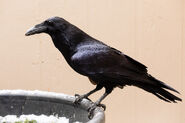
<point x="104" y="66"/>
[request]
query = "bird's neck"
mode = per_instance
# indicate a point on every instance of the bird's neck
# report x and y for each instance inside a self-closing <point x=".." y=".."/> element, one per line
<point x="67" y="42"/>
<point x="62" y="45"/>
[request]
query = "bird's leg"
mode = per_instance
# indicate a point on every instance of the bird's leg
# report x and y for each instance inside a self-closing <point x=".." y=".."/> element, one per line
<point x="98" y="102"/>
<point x="80" y="97"/>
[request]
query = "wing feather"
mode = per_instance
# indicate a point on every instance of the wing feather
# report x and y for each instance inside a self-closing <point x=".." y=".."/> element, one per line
<point x="107" y="61"/>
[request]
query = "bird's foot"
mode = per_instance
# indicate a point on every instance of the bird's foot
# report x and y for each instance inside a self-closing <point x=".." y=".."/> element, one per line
<point x="79" y="98"/>
<point x="103" y="106"/>
<point x="93" y="107"/>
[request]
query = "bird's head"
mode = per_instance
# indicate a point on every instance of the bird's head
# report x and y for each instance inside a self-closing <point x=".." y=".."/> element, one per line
<point x="50" y="26"/>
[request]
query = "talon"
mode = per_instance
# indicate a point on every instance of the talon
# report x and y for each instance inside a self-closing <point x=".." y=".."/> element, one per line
<point x="93" y="107"/>
<point x="103" y="106"/>
<point x="77" y="95"/>
<point x="90" y="115"/>
<point x="91" y="110"/>
<point x="78" y="98"/>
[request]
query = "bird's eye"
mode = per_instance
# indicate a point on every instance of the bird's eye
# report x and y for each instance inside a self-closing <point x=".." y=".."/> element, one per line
<point x="50" y="23"/>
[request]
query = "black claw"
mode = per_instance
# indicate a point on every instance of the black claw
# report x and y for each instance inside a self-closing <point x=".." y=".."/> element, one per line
<point x="78" y="99"/>
<point x="91" y="110"/>
<point x="90" y="115"/>
<point x="77" y="95"/>
<point x="93" y="107"/>
<point x="103" y="106"/>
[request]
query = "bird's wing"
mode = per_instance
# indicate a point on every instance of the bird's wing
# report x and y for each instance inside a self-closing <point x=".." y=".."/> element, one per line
<point x="135" y="65"/>
<point x="108" y="62"/>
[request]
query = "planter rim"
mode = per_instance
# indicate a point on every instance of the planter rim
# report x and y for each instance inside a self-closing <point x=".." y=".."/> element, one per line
<point x="99" y="116"/>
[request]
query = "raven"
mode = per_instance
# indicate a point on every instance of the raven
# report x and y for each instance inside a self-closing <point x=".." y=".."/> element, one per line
<point x="104" y="66"/>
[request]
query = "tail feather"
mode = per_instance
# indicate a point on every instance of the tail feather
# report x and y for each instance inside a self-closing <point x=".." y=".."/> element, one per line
<point x="159" y="91"/>
<point x="162" y="84"/>
<point x="160" y="97"/>
<point x="165" y="94"/>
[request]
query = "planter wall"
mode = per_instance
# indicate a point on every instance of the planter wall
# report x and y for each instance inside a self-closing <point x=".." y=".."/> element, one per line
<point x="18" y="102"/>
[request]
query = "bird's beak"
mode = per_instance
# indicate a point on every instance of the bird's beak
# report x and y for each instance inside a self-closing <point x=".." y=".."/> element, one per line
<point x="36" y="30"/>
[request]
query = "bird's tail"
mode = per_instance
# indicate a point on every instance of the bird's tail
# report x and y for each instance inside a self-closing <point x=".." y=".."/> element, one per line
<point x="159" y="89"/>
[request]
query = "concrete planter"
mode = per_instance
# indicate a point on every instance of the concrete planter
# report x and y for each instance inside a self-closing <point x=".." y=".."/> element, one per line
<point x="18" y="102"/>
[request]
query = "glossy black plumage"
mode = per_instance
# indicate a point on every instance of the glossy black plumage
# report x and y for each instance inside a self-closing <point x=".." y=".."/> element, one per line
<point x="103" y="65"/>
